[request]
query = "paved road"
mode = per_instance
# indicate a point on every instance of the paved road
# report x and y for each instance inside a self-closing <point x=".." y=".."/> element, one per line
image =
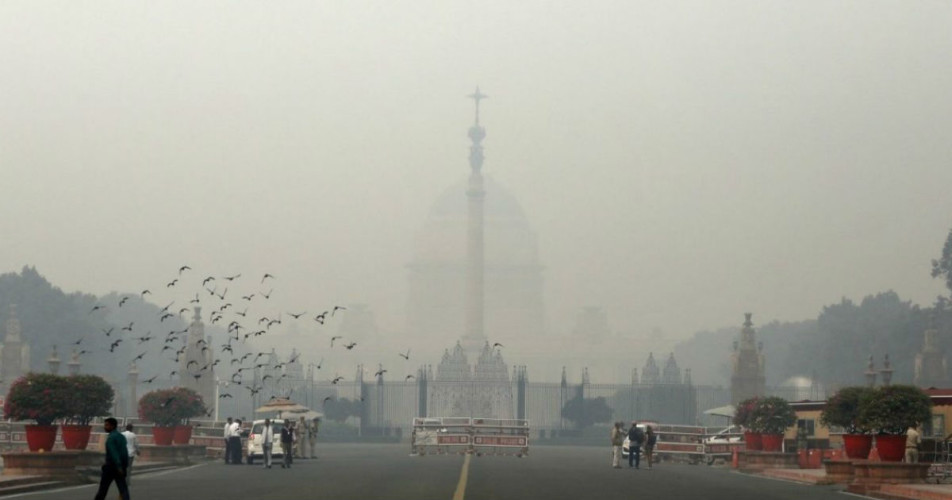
<point x="363" y="472"/>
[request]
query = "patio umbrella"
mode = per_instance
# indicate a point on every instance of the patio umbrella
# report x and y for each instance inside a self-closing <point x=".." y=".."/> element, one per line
<point x="280" y="406"/>
<point x="722" y="411"/>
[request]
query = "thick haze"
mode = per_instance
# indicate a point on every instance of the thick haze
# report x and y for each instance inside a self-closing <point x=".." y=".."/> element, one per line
<point x="681" y="162"/>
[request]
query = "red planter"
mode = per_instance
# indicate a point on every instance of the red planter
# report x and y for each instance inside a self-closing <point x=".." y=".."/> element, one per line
<point x="752" y="441"/>
<point x="183" y="434"/>
<point x="40" y="437"/>
<point x="891" y="448"/>
<point x="771" y="442"/>
<point x="162" y="436"/>
<point x="76" y="437"/>
<point x="857" y="445"/>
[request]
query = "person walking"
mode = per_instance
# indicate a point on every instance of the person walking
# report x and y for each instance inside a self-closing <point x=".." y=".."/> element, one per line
<point x="226" y="436"/>
<point x="635" y="440"/>
<point x="287" y="441"/>
<point x="913" y="439"/>
<point x="132" y="446"/>
<point x="235" y="439"/>
<point x="300" y="438"/>
<point x="650" y="439"/>
<point x="267" y="441"/>
<point x="618" y="439"/>
<point x="312" y="438"/>
<point x="117" y="462"/>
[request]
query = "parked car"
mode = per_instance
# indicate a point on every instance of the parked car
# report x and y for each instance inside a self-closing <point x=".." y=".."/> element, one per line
<point x="254" y="440"/>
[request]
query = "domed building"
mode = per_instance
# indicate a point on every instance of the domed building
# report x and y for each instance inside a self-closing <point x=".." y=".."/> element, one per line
<point x="514" y="306"/>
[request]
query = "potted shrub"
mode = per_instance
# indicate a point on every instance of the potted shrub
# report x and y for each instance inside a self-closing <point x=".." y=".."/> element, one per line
<point x="890" y="411"/>
<point x="168" y="409"/>
<point x="843" y="410"/>
<point x="89" y="397"/>
<point x="743" y="417"/>
<point x="40" y="397"/>
<point x="772" y="416"/>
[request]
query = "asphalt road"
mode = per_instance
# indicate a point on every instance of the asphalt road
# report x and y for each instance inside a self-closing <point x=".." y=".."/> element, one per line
<point x="362" y="472"/>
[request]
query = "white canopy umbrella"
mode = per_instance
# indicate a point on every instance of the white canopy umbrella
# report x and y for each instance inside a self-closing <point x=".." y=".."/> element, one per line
<point x="722" y="411"/>
<point x="281" y="406"/>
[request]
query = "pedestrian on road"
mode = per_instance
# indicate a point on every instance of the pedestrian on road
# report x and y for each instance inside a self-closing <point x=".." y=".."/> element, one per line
<point x="235" y="438"/>
<point x="287" y="440"/>
<point x="650" y="439"/>
<point x="226" y="436"/>
<point x="618" y="439"/>
<point x="267" y="441"/>
<point x="913" y="439"/>
<point x="312" y="437"/>
<point x="132" y="446"/>
<point x="117" y="460"/>
<point x="300" y="438"/>
<point x="635" y="439"/>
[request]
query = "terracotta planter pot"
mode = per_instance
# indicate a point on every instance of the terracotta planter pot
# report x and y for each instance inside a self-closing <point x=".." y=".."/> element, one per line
<point x="76" y="437"/>
<point x="183" y="434"/>
<point x="857" y="446"/>
<point x="891" y="448"/>
<point x="752" y="441"/>
<point x="771" y="442"/>
<point x="162" y="436"/>
<point x="40" y="437"/>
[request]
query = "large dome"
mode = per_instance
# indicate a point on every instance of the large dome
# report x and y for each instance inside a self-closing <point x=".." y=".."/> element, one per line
<point x="437" y="270"/>
<point x="499" y="202"/>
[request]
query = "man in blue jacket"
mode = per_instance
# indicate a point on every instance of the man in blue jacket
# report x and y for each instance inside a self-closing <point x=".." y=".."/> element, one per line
<point x="117" y="462"/>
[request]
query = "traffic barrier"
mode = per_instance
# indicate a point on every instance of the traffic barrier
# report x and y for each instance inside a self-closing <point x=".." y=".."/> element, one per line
<point x="435" y="435"/>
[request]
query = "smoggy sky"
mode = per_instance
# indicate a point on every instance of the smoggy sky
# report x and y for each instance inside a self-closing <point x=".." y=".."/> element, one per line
<point x="681" y="162"/>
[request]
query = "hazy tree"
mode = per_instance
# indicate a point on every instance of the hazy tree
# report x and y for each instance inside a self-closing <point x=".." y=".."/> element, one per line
<point x="943" y="266"/>
<point x="585" y="412"/>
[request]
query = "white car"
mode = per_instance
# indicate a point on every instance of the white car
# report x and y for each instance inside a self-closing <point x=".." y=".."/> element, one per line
<point x="254" y="440"/>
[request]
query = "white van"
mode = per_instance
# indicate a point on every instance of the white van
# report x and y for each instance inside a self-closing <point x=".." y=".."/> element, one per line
<point x="254" y="440"/>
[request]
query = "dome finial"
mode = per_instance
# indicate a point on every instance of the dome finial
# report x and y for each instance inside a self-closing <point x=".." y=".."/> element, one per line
<point x="476" y="134"/>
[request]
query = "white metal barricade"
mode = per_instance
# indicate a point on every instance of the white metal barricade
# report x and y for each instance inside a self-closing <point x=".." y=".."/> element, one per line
<point x="435" y="435"/>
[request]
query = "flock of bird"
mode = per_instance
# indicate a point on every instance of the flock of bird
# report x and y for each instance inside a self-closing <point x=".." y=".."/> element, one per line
<point x="221" y="298"/>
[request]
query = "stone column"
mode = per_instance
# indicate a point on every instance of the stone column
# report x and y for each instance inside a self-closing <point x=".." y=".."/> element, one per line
<point x="132" y="406"/>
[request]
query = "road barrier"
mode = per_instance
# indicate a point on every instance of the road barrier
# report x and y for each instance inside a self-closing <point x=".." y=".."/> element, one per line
<point x="481" y="436"/>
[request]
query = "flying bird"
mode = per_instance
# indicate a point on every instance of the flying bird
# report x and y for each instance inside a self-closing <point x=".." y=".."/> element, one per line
<point x="409" y="377"/>
<point x="145" y="292"/>
<point x="296" y="316"/>
<point x="337" y="308"/>
<point x="149" y="381"/>
<point x="248" y="297"/>
<point x="123" y="301"/>
<point x="405" y="356"/>
<point x="321" y="317"/>
<point x="195" y="300"/>
<point x="267" y="295"/>
<point x="226" y="395"/>
<point x="335" y="338"/>
<point x="206" y="280"/>
<point x="109" y="331"/>
<point x="128" y="328"/>
<point x="233" y="278"/>
<point x="266" y="276"/>
<point x="172" y="283"/>
<point x="328" y="398"/>
<point x="78" y="341"/>
<point x="167" y="401"/>
<point x="336" y="380"/>
<point x="96" y="308"/>
<point x="379" y="373"/>
<point x="351" y="345"/>
<point x="140" y="356"/>
<point x="497" y="344"/>
<point x="114" y="345"/>
<point x="183" y="269"/>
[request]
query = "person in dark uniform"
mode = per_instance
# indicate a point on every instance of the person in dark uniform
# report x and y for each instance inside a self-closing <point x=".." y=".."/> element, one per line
<point x="117" y="462"/>
<point x="635" y="439"/>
